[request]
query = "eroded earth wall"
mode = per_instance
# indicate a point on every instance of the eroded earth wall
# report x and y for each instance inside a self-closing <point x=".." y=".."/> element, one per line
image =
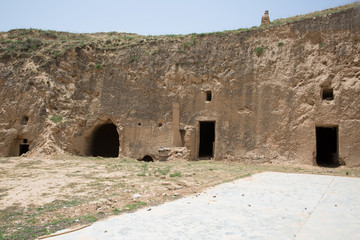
<point x="263" y="89"/>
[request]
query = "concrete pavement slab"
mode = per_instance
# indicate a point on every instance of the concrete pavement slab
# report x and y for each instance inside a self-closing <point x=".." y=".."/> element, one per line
<point x="264" y="206"/>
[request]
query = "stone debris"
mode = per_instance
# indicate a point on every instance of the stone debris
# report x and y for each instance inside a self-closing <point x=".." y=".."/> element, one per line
<point x="136" y="196"/>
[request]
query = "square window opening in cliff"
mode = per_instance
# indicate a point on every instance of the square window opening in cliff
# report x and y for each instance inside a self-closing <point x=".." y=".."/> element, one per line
<point x="327" y="94"/>
<point x="24" y="120"/>
<point x="208" y="96"/>
<point x="327" y="146"/>
<point x="24" y="147"/>
<point x="207" y="139"/>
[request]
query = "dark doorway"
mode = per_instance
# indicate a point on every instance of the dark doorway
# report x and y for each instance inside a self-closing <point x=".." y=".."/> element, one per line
<point x="327" y="146"/>
<point x="24" y="147"/>
<point x="207" y="139"/>
<point x="105" y="142"/>
<point x="182" y="135"/>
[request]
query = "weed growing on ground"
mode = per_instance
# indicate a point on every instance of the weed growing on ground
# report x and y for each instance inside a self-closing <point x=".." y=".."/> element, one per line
<point x="259" y="50"/>
<point x="116" y="211"/>
<point x="132" y="59"/>
<point x="280" y="44"/>
<point x="176" y="174"/>
<point x="164" y="171"/>
<point x="56" y="118"/>
<point x="144" y="169"/>
<point x="57" y="53"/>
<point x="134" y="205"/>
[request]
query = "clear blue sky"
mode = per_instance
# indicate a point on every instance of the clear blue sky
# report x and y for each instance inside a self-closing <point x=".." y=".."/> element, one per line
<point x="150" y="17"/>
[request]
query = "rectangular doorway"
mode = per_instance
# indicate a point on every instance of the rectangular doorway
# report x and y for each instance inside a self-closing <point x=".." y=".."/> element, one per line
<point x="207" y="139"/>
<point x="327" y="146"/>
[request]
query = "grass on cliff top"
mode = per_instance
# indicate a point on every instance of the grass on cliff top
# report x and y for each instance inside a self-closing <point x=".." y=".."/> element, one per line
<point x="23" y="43"/>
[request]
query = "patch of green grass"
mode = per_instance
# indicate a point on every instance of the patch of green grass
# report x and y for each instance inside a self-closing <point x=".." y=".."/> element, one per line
<point x="10" y="214"/>
<point x="186" y="45"/>
<point x="116" y="211"/>
<point x="259" y="50"/>
<point x="144" y="169"/>
<point x="176" y="174"/>
<point x="97" y="66"/>
<point x="280" y="44"/>
<point x="57" y="53"/>
<point x="57" y="204"/>
<point x="56" y="118"/>
<point x="25" y="232"/>
<point x="127" y="37"/>
<point x="59" y="223"/>
<point x="132" y="59"/>
<point x="88" y="219"/>
<point x="134" y="205"/>
<point x="164" y="171"/>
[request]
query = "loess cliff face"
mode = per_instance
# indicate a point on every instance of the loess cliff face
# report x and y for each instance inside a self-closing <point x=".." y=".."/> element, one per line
<point x="267" y="92"/>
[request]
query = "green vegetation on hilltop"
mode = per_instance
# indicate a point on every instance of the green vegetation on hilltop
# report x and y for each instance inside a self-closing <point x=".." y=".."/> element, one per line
<point x="46" y="45"/>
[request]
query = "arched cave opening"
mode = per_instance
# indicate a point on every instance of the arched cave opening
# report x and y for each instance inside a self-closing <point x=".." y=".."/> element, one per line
<point x="147" y="158"/>
<point x="105" y="141"/>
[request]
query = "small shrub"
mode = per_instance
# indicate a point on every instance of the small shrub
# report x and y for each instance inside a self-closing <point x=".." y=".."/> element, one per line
<point x="186" y="45"/>
<point x="280" y="44"/>
<point x="259" y="50"/>
<point x="30" y="44"/>
<point x="128" y="37"/>
<point x="56" y="118"/>
<point x="97" y="66"/>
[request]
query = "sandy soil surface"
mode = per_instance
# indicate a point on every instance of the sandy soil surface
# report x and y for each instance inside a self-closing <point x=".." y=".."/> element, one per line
<point x="40" y="196"/>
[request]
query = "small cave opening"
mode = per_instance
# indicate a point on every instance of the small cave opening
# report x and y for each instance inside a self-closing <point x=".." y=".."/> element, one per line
<point x="327" y="94"/>
<point x="105" y="141"/>
<point x="147" y="158"/>
<point x="208" y="96"/>
<point x="24" y="120"/>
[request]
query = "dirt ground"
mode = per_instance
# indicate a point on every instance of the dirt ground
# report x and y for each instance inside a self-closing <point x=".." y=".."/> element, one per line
<point x="41" y="196"/>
